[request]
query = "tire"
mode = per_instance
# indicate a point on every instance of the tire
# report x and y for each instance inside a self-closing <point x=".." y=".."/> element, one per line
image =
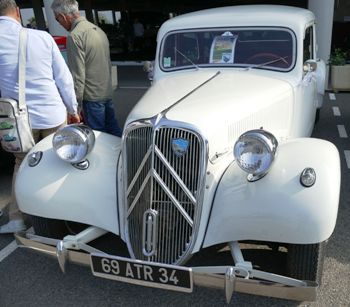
<point x="7" y="162"/>
<point x="317" y="117"/>
<point x="50" y="228"/>
<point x="305" y="261"/>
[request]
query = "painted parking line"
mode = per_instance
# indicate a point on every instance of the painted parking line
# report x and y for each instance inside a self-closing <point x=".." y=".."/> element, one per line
<point x="342" y="131"/>
<point x="336" y="111"/>
<point x="332" y="96"/>
<point x="8" y="250"/>
<point x="347" y="157"/>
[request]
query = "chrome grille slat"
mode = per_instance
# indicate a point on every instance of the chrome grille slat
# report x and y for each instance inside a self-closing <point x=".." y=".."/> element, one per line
<point x="173" y="199"/>
<point x="175" y="175"/>
<point x="138" y="171"/>
<point x="138" y="194"/>
<point x="162" y="182"/>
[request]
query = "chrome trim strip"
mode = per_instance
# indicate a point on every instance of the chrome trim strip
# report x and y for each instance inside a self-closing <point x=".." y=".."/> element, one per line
<point x="259" y="287"/>
<point x="175" y="175"/>
<point x="149" y="238"/>
<point x="224" y="29"/>
<point x="44" y="240"/>
<point x="139" y="170"/>
<point x="204" y="279"/>
<point x="173" y="198"/>
<point x="139" y="193"/>
<point x="165" y="111"/>
<point x="73" y="256"/>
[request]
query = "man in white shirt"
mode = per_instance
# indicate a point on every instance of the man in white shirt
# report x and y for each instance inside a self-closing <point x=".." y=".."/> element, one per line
<point x="49" y="86"/>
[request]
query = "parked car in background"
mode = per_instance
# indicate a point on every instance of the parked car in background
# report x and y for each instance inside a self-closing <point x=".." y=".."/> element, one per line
<point x="216" y="153"/>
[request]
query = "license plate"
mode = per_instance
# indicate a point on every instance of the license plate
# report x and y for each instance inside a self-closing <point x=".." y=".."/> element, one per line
<point x="143" y="273"/>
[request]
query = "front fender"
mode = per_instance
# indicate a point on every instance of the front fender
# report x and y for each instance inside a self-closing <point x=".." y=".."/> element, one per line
<point x="56" y="189"/>
<point x="277" y="207"/>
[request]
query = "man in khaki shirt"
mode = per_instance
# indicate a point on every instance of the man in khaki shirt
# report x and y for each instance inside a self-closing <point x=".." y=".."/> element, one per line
<point x="88" y="56"/>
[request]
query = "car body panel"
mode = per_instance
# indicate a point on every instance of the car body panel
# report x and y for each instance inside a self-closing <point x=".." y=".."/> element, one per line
<point x="56" y="189"/>
<point x="243" y="16"/>
<point x="242" y="101"/>
<point x="290" y="213"/>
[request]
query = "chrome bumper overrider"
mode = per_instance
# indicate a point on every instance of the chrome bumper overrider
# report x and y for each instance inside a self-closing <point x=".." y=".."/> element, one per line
<point x="223" y="277"/>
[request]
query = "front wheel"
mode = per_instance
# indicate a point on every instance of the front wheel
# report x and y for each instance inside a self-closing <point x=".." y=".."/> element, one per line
<point x="317" y="117"/>
<point x="49" y="228"/>
<point x="55" y="229"/>
<point x="305" y="261"/>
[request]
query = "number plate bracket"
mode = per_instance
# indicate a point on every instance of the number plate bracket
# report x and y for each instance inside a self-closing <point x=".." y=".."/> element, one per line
<point x="145" y="273"/>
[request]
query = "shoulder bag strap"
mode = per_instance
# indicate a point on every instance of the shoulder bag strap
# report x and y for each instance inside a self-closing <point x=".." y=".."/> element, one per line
<point x="22" y="68"/>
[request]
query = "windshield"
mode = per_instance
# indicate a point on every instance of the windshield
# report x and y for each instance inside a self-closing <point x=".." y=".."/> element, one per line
<point x="267" y="48"/>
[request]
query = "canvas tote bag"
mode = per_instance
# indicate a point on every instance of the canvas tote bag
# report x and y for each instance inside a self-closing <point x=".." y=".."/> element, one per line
<point x="15" y="129"/>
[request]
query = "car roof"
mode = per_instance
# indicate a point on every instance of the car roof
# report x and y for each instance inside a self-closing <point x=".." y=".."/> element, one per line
<point x="244" y="15"/>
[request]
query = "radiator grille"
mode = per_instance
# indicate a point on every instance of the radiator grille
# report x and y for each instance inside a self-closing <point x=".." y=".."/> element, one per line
<point x="163" y="191"/>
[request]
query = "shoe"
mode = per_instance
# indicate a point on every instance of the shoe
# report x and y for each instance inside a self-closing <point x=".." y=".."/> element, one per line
<point x="13" y="226"/>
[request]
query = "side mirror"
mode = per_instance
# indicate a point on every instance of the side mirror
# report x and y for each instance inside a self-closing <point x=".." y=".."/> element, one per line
<point x="148" y="67"/>
<point x="310" y="66"/>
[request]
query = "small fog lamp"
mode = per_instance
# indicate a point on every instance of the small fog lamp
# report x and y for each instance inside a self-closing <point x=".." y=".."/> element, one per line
<point x="34" y="158"/>
<point x="308" y="177"/>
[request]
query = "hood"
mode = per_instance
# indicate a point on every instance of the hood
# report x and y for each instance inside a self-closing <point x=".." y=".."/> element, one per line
<point x="221" y="107"/>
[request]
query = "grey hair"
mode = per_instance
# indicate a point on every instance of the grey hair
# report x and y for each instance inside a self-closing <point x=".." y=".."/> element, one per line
<point x="6" y="6"/>
<point x="65" y="7"/>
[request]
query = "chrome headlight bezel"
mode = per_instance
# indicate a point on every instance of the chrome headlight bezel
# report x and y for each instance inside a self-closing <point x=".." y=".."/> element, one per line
<point x="255" y="162"/>
<point x="73" y="143"/>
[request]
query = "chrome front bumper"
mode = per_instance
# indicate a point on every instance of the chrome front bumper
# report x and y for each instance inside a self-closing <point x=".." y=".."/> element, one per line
<point x="227" y="279"/>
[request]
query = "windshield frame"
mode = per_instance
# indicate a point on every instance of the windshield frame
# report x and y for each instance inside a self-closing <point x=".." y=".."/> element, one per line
<point x="232" y="65"/>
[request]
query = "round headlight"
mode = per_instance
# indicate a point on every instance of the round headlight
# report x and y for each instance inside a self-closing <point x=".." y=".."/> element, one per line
<point x="72" y="143"/>
<point x="254" y="152"/>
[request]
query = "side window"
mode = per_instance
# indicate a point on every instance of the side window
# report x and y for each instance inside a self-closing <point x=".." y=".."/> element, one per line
<point x="308" y="44"/>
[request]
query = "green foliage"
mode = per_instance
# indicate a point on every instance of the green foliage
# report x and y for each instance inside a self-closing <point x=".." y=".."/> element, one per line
<point x="338" y="57"/>
<point x="32" y="22"/>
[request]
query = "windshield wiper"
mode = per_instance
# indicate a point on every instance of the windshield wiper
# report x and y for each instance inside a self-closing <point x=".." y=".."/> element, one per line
<point x="186" y="58"/>
<point x="267" y="63"/>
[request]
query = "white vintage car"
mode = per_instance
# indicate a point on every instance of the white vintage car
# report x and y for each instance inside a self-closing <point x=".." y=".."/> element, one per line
<point x="216" y="153"/>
